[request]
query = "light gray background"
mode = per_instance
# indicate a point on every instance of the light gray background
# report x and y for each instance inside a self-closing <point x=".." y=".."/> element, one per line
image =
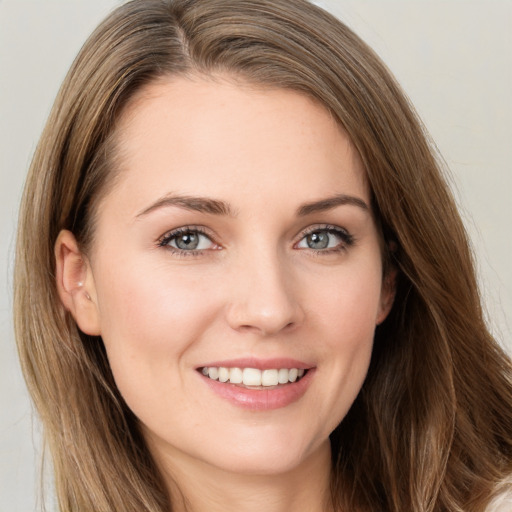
<point x="453" y="58"/>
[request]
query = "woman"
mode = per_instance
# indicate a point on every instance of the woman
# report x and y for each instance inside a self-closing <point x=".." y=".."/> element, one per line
<point x="243" y="279"/>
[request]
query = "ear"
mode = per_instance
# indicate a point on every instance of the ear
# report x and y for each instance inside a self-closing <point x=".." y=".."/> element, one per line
<point x="387" y="295"/>
<point x="75" y="283"/>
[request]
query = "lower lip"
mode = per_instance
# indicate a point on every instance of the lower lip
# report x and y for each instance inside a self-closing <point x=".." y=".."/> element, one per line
<point x="261" y="399"/>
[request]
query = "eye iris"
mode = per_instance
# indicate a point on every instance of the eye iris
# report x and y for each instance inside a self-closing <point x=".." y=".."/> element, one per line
<point x="187" y="241"/>
<point x="318" y="240"/>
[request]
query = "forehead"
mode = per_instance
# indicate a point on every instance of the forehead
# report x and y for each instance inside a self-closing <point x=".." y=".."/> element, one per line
<point x="217" y="136"/>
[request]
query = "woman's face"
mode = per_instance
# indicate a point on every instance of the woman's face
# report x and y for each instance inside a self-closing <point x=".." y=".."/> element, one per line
<point x="237" y="242"/>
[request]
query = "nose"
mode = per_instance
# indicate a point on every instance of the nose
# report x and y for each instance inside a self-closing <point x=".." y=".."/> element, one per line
<point x="264" y="297"/>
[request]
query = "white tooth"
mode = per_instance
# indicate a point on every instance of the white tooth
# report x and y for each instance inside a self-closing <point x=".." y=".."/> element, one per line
<point x="292" y="374"/>
<point x="269" y="378"/>
<point x="223" y="374"/>
<point x="301" y="372"/>
<point x="282" y="377"/>
<point x="235" y="376"/>
<point x="252" y="377"/>
<point x="204" y="371"/>
<point x="213" y="373"/>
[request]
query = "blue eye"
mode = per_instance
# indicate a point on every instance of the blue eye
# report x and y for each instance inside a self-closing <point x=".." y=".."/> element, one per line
<point x="326" y="239"/>
<point x="185" y="239"/>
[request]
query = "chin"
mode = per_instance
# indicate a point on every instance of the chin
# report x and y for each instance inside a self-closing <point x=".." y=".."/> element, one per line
<point x="263" y="464"/>
<point x="270" y="453"/>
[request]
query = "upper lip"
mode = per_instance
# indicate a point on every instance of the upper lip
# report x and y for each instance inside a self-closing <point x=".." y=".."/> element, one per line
<point x="260" y="364"/>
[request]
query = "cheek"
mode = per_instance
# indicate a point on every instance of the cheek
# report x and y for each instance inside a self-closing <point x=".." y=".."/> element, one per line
<point x="349" y="303"/>
<point x="149" y="320"/>
<point x="346" y="319"/>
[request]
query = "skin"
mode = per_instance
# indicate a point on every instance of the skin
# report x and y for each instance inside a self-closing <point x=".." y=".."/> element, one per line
<point x="254" y="289"/>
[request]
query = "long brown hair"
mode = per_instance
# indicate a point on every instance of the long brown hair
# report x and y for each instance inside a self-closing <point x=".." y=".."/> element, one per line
<point x="431" y="429"/>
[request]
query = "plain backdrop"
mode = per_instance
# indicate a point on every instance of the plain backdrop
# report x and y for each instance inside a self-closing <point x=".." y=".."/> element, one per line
<point x="452" y="57"/>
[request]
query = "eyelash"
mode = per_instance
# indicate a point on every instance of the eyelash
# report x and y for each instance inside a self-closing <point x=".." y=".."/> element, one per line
<point x="166" y="239"/>
<point x="347" y="239"/>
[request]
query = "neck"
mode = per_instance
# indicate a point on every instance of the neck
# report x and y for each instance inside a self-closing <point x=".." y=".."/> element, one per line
<point x="196" y="486"/>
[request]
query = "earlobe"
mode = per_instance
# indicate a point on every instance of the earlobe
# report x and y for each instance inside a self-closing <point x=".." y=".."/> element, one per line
<point x="75" y="283"/>
<point x="387" y="295"/>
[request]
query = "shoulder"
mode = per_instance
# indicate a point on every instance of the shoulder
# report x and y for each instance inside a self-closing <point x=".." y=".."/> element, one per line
<point x="503" y="500"/>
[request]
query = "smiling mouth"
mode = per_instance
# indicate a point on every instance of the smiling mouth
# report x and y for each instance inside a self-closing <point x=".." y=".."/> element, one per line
<point x="253" y="377"/>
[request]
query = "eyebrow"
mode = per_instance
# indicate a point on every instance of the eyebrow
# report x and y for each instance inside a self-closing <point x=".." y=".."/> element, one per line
<point x="197" y="204"/>
<point x="218" y="207"/>
<point x="330" y="203"/>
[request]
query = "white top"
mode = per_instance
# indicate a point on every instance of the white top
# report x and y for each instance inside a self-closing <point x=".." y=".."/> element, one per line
<point x="503" y="502"/>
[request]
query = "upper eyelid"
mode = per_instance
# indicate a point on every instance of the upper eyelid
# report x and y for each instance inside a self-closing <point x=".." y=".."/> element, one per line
<point x="319" y="227"/>
<point x="186" y="229"/>
<point x="322" y="227"/>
